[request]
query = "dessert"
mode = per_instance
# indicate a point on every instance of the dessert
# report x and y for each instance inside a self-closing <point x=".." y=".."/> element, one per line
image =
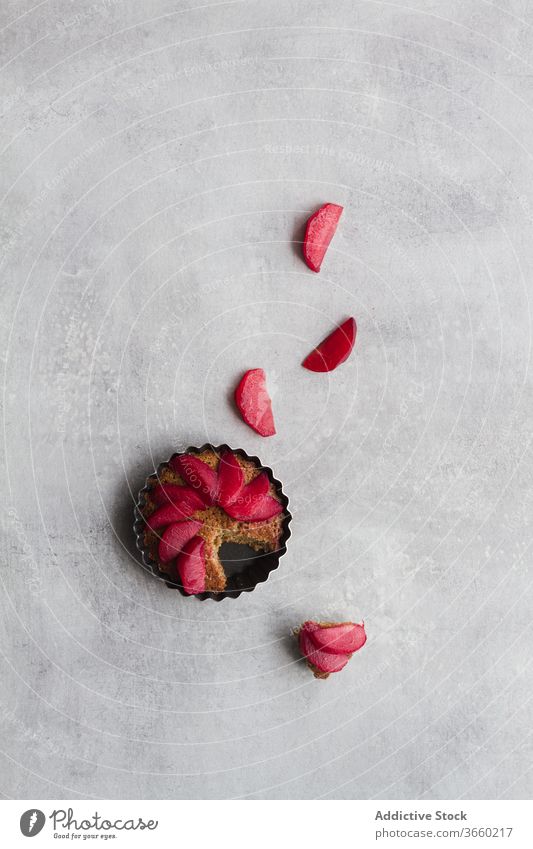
<point x="334" y="349"/>
<point x="254" y="402"/>
<point x="198" y="501"/>
<point x="319" y="232"/>
<point x="328" y="646"/>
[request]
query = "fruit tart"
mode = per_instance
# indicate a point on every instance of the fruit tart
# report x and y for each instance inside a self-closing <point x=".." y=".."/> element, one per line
<point x="203" y="503"/>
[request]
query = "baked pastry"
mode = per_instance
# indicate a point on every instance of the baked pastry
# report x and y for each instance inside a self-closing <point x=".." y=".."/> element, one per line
<point x="198" y="501"/>
<point x="328" y="646"/>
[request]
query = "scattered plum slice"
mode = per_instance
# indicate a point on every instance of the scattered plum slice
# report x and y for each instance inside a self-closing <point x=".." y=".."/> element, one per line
<point x="201" y="477"/>
<point x="230" y="478"/>
<point x="183" y="497"/>
<point x="321" y="660"/>
<point x="165" y="516"/>
<point x="191" y="566"/>
<point x="175" y="537"/>
<point x="254" y="402"/>
<point x="319" y="232"/>
<point x="255" y="511"/>
<point x="345" y="638"/>
<point x="334" y="349"/>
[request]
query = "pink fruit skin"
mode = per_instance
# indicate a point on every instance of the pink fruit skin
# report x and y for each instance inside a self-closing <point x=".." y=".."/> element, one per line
<point x="322" y="660"/>
<point x="183" y="497"/>
<point x="319" y="232"/>
<point x="175" y="537"/>
<point x="191" y="566"/>
<point x="346" y="638"/>
<point x="252" y="495"/>
<point x="230" y="478"/>
<point x="165" y="516"/>
<point x="258" y="511"/>
<point x="201" y="477"/>
<point x="254" y="402"/>
<point x="255" y="490"/>
<point x="334" y="349"/>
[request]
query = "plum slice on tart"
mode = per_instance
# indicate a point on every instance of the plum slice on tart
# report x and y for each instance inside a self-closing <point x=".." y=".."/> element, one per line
<point x="175" y="537"/>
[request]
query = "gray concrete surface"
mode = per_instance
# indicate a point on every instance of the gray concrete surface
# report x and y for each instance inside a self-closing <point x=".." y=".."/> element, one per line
<point x="158" y="160"/>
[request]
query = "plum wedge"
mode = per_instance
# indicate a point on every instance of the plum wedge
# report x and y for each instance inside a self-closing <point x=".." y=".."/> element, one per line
<point x="191" y="566"/>
<point x="254" y="402"/>
<point x="200" y="477"/>
<point x="254" y="492"/>
<point x="319" y="232"/>
<point x="258" y="487"/>
<point x="184" y="498"/>
<point x="165" y="516"/>
<point x="346" y="638"/>
<point x="175" y="537"/>
<point x="334" y="349"/>
<point x="255" y="511"/>
<point x="250" y="503"/>
<point x="230" y="478"/>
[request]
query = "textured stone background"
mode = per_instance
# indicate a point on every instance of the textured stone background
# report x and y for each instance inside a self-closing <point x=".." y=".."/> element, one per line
<point x="158" y="160"/>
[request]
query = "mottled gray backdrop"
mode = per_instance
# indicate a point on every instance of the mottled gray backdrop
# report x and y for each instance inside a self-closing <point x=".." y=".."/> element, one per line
<point x="158" y="160"/>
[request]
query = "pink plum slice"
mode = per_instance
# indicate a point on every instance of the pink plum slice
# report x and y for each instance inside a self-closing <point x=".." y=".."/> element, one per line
<point x="319" y="232"/>
<point x="175" y="537"/>
<point x="253" y="493"/>
<point x="255" y="511"/>
<point x="323" y="661"/>
<point x="230" y="478"/>
<point x="346" y="638"/>
<point x="165" y="516"/>
<point x="258" y="487"/>
<point x="334" y="349"/>
<point x="201" y="477"/>
<point x="191" y="566"/>
<point x="183" y="497"/>
<point x="253" y="401"/>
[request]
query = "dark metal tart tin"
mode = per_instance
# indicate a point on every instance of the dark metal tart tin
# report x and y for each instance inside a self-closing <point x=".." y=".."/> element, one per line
<point x="260" y="564"/>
